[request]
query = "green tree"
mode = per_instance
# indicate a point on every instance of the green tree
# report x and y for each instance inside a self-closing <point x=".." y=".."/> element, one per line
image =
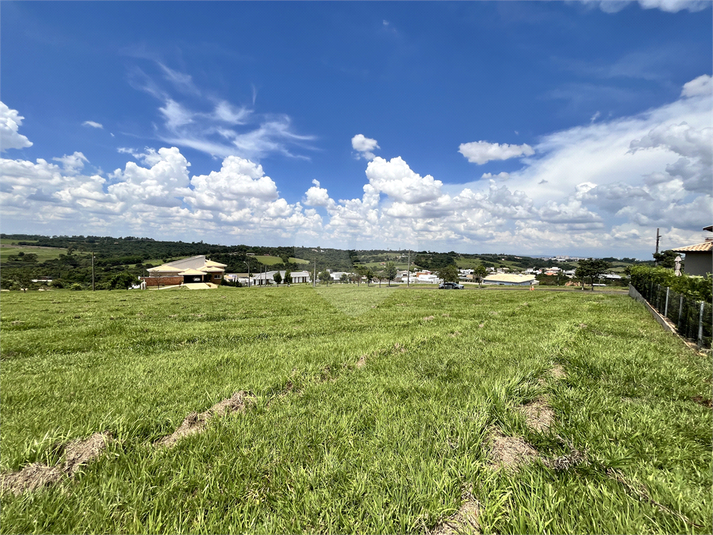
<point x="390" y="272"/>
<point x="666" y="259"/>
<point x="288" y="277"/>
<point x="448" y="273"/>
<point x="121" y="281"/>
<point x="479" y="273"/>
<point x="369" y="276"/>
<point x="277" y="277"/>
<point x="591" y="269"/>
<point x="344" y="278"/>
<point x="325" y="277"/>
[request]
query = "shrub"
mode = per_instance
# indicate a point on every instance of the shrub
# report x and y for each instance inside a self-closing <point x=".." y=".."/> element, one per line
<point x="76" y="287"/>
<point x="694" y="287"/>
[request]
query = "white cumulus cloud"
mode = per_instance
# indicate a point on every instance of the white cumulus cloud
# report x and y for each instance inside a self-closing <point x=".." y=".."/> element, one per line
<point x="396" y="179"/>
<point x="480" y="152"/>
<point x="10" y="121"/>
<point x="316" y="195"/>
<point x="364" y="146"/>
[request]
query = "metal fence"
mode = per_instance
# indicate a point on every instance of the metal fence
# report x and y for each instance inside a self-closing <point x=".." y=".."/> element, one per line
<point x="692" y="318"/>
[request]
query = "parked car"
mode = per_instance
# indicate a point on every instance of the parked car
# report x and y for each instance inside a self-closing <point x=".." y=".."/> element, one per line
<point x="450" y="286"/>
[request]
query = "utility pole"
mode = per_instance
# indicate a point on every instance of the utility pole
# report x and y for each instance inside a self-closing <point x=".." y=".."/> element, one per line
<point x="314" y="274"/>
<point x="408" y="271"/>
<point x="658" y="237"/>
<point x="92" y="272"/>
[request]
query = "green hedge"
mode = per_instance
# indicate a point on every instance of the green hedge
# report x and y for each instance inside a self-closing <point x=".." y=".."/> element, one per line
<point x="698" y="288"/>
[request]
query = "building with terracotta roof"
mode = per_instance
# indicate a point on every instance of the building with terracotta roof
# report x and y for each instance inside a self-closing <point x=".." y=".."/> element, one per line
<point x="699" y="256"/>
<point x="197" y="269"/>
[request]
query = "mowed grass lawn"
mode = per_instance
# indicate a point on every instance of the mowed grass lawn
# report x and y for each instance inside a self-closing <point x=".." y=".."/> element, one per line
<point x="374" y="411"/>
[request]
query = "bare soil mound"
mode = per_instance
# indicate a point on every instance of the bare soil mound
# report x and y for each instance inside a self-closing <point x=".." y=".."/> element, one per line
<point x="80" y="452"/>
<point x="538" y="415"/>
<point x="195" y="422"/>
<point x="463" y="521"/>
<point x="37" y="475"/>
<point x="510" y="452"/>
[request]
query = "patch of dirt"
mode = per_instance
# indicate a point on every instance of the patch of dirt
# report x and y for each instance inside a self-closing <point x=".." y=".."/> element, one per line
<point x="37" y="475"/>
<point x="538" y="415"/>
<point x="557" y="372"/>
<point x="446" y="315"/>
<point x="465" y="520"/>
<point x="17" y="322"/>
<point x="399" y="348"/>
<point x="510" y="452"/>
<point x="481" y="325"/>
<point x="428" y="318"/>
<point x="705" y="402"/>
<point x="79" y="452"/>
<point x="195" y="422"/>
<point x="454" y="334"/>
<point x="31" y="477"/>
<point x="361" y="362"/>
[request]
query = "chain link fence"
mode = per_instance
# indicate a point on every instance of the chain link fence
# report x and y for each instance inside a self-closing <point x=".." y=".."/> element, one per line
<point x="692" y="318"/>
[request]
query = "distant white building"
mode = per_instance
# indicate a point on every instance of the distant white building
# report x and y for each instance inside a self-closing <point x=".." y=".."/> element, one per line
<point x="337" y="275"/>
<point x="268" y="277"/>
<point x="509" y="279"/>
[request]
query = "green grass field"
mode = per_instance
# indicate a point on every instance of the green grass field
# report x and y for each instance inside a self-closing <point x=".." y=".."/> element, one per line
<point x="43" y="253"/>
<point x="374" y="411"/>
<point x="272" y="260"/>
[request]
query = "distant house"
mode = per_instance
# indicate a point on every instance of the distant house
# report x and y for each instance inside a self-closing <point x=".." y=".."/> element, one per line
<point x="509" y="279"/>
<point x="699" y="257"/>
<point x="268" y="277"/>
<point x="197" y="269"/>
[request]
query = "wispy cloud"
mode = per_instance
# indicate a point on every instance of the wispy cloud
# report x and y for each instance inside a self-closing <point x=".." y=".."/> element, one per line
<point x="192" y="117"/>
<point x="92" y="124"/>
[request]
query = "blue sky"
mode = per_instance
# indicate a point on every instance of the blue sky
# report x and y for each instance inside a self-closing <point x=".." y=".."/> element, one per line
<point x="523" y="127"/>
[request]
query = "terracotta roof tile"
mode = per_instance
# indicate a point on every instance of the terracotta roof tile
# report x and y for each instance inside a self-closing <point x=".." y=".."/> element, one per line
<point x="697" y="248"/>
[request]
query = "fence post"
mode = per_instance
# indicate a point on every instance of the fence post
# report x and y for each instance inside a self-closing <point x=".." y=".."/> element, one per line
<point x="680" y="312"/>
<point x="700" y="326"/>
<point x="665" y="308"/>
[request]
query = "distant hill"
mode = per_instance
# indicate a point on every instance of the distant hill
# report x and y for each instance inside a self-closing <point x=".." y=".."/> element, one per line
<point x="69" y="259"/>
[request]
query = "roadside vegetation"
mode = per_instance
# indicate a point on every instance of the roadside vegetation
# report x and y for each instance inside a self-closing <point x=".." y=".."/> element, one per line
<point x="349" y="409"/>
